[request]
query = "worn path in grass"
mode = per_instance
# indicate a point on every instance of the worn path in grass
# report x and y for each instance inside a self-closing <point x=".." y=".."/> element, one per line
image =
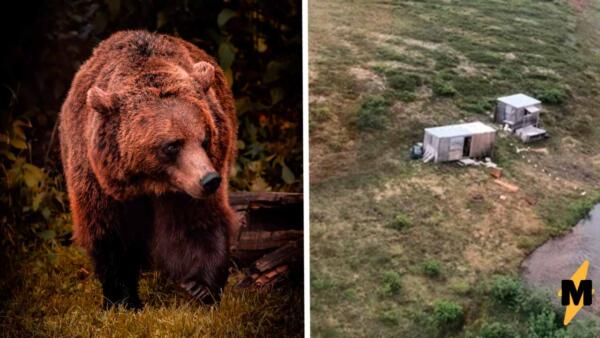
<point x="382" y="71"/>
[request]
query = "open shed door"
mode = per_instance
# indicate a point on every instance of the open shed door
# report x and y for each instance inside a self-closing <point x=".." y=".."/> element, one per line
<point x="456" y="148"/>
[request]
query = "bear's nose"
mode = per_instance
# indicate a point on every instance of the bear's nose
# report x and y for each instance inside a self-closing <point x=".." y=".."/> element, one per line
<point x="210" y="182"/>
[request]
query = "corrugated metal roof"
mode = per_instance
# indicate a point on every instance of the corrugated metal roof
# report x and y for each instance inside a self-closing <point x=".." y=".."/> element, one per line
<point x="519" y="100"/>
<point x="460" y="129"/>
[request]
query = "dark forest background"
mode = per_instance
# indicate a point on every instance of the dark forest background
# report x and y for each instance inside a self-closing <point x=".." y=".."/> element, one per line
<point x="257" y="43"/>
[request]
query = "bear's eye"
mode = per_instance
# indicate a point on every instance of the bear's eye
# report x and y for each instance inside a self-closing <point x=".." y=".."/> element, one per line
<point x="171" y="149"/>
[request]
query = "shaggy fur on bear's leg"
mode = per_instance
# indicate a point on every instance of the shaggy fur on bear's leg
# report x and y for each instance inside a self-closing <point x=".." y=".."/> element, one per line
<point x="117" y="272"/>
<point x="115" y="237"/>
<point x="191" y="244"/>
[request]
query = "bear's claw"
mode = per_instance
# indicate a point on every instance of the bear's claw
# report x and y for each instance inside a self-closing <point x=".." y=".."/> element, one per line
<point x="199" y="292"/>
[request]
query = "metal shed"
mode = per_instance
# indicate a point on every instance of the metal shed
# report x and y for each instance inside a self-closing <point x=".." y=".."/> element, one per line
<point x="518" y="111"/>
<point x="454" y="142"/>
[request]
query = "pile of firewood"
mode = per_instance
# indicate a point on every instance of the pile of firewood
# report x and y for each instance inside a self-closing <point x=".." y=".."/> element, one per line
<point x="268" y="240"/>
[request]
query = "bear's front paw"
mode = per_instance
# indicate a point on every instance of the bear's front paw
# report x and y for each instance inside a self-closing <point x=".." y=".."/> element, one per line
<point x="202" y="293"/>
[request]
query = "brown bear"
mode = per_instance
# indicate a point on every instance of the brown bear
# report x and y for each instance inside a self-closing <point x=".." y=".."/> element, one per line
<point x="148" y="133"/>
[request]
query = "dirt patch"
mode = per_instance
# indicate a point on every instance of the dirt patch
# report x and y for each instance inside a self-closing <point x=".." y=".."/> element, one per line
<point x="392" y="65"/>
<point x="368" y="80"/>
<point x="579" y="5"/>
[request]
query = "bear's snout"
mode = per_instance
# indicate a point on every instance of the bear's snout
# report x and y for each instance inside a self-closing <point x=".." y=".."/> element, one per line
<point x="210" y="183"/>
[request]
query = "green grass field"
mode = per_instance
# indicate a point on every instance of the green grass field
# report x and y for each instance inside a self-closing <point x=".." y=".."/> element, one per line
<point x="402" y="248"/>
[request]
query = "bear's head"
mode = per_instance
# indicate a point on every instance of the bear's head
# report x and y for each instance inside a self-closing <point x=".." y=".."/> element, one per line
<point x="162" y="132"/>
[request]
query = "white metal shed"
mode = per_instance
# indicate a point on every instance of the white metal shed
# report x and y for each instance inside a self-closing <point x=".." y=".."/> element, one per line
<point x="454" y="142"/>
<point x="518" y="111"/>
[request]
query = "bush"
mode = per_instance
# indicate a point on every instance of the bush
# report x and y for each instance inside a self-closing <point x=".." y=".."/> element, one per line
<point x="479" y="107"/>
<point x="497" y="330"/>
<point x="448" y="315"/>
<point x="545" y="325"/>
<point x="389" y="317"/>
<point x="507" y="291"/>
<point x="443" y="88"/>
<point x="551" y="95"/>
<point x="372" y="114"/>
<point x="391" y="283"/>
<point x="432" y="268"/>
<point x="535" y="302"/>
<point x="404" y="82"/>
<point x="319" y="113"/>
<point x="583" y="329"/>
<point x="400" y="221"/>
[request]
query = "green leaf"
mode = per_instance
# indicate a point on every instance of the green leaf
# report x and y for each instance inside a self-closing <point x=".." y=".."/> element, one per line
<point x="272" y="71"/>
<point x="261" y="45"/>
<point x="259" y="184"/>
<point x="47" y="235"/>
<point x="8" y="155"/>
<point x="287" y="175"/>
<point x="113" y="7"/>
<point x="21" y="123"/>
<point x="37" y="200"/>
<point x="18" y="143"/>
<point x="241" y="145"/>
<point x="277" y="95"/>
<point x="242" y="105"/>
<point x="229" y="76"/>
<point x="46" y="213"/>
<point x="161" y="19"/>
<point x="32" y="175"/>
<point x="226" y="55"/>
<point x="225" y="16"/>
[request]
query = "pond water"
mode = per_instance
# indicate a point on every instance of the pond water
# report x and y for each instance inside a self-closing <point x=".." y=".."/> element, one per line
<point x="560" y="257"/>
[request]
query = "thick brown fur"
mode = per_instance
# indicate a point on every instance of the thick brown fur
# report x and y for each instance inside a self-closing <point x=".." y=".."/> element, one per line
<point x="131" y="203"/>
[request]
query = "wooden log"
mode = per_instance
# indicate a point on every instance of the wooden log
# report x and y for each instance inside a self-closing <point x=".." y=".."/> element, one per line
<point x="261" y="240"/>
<point x="496" y="172"/>
<point x="265" y="221"/>
<point x="287" y="253"/>
<point x="244" y="199"/>
<point x="507" y="186"/>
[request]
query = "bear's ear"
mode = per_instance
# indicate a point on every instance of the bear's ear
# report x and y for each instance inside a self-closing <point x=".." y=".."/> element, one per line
<point x="101" y="100"/>
<point x="204" y="73"/>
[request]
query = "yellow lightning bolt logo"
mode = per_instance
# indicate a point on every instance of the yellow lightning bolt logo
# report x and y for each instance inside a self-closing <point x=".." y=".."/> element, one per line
<point x="572" y="309"/>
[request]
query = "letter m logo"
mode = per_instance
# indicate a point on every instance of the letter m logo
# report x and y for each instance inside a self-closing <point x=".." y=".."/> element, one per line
<point x="571" y="292"/>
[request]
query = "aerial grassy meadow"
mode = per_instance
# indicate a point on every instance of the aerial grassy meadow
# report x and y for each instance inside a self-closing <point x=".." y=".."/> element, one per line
<point x="407" y="249"/>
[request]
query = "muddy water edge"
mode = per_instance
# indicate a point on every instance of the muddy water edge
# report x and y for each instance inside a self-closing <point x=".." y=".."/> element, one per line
<point x="559" y="257"/>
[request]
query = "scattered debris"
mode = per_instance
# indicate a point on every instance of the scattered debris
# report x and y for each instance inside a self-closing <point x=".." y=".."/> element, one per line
<point x="530" y="200"/>
<point x="467" y="162"/>
<point x="496" y="172"/>
<point x="463" y="162"/>
<point x="416" y="151"/>
<point x="510" y="187"/>
<point x="503" y="197"/>
<point x="531" y="134"/>
<point x="543" y="151"/>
